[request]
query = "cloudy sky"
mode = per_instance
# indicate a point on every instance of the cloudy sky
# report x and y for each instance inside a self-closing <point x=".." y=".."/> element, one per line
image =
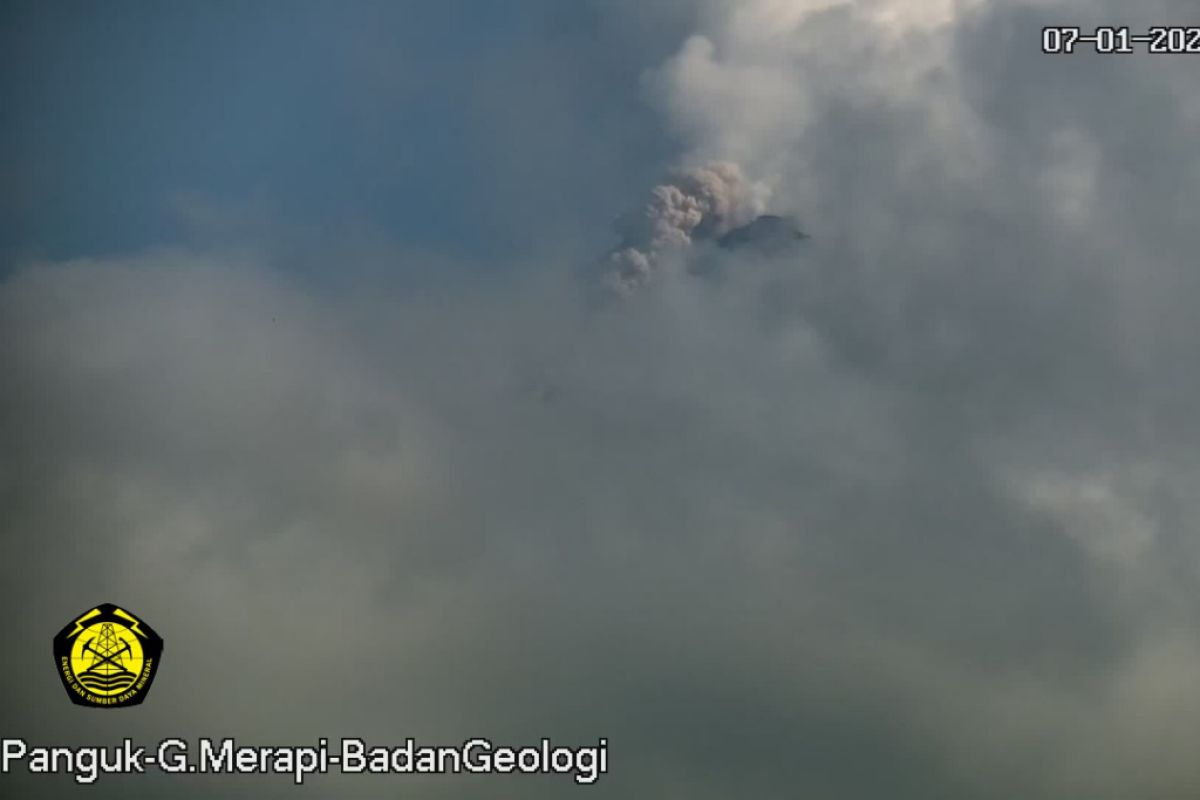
<point x="310" y="353"/>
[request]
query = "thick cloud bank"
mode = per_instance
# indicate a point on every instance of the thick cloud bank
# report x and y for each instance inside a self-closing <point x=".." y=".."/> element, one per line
<point x="906" y="512"/>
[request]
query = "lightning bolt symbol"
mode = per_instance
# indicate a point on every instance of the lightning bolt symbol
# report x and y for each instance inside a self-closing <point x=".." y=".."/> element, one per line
<point x="79" y="622"/>
<point x="123" y="614"/>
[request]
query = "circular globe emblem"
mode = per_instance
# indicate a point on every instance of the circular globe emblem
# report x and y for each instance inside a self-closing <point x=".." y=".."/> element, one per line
<point x="107" y="657"/>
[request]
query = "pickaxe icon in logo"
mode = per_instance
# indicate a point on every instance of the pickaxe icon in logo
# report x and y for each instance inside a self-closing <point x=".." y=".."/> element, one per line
<point x="100" y="659"/>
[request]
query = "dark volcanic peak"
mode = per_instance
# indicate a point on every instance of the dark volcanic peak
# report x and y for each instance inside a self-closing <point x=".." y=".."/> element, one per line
<point x="768" y="231"/>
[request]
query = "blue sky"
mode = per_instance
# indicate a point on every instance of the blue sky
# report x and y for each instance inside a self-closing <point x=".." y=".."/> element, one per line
<point x="454" y="126"/>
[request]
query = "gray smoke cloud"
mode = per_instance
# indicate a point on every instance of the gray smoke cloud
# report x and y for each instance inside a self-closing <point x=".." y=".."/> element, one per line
<point x="697" y="203"/>
<point x="911" y="517"/>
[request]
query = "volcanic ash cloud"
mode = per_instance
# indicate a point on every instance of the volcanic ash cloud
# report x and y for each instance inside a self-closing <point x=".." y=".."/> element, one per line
<point x="698" y="203"/>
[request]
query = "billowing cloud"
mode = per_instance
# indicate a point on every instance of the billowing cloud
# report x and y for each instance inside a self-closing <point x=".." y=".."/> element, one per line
<point x="698" y="203"/>
<point x="906" y="512"/>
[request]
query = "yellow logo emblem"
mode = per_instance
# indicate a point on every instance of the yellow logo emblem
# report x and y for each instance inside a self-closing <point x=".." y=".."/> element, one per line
<point x="107" y="657"/>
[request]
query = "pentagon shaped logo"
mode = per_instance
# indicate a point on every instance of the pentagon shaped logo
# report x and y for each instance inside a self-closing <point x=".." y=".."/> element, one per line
<point x="107" y="657"/>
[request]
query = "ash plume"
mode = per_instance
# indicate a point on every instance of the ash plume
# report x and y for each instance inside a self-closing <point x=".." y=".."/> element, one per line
<point x="704" y="202"/>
